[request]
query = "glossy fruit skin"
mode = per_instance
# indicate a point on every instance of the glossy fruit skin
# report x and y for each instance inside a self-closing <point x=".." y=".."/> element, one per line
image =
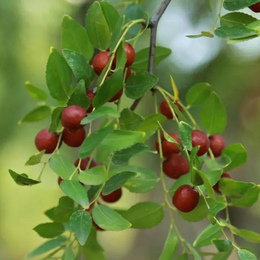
<point x="224" y="175"/>
<point x="217" y="144"/>
<point x="130" y="54"/>
<point x="73" y="139"/>
<point x="168" y="147"/>
<point x="198" y="138"/>
<point x="90" y="94"/>
<point x="255" y="7"/>
<point x="113" y="196"/>
<point x="100" y="61"/>
<point x="166" y="110"/>
<point x="71" y="117"/>
<point x="46" y="141"/>
<point x="185" y="198"/>
<point x="175" y="166"/>
<point x="84" y="163"/>
<point x="116" y="96"/>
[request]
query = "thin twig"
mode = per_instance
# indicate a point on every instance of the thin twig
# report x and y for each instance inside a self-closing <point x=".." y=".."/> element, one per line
<point x="153" y="24"/>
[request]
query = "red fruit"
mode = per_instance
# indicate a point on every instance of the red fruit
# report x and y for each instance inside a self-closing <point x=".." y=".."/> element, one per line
<point x="168" y="147"/>
<point x="217" y="144"/>
<point x="73" y="139"/>
<point x="224" y="175"/>
<point x="198" y="138"/>
<point x="84" y="163"/>
<point x="255" y="7"/>
<point x="166" y="110"/>
<point x="175" y="166"/>
<point x="116" y="96"/>
<point x="113" y="196"/>
<point x="100" y="61"/>
<point x="46" y="141"/>
<point x="71" y="117"/>
<point x="60" y="180"/>
<point x="90" y="94"/>
<point x="185" y="198"/>
<point x="130" y="54"/>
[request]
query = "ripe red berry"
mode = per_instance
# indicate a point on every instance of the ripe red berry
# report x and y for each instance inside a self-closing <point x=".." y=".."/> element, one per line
<point x="217" y="144"/>
<point x="60" y="180"/>
<point x="224" y="175"/>
<point x="46" y="141"/>
<point x="100" y="61"/>
<point x="130" y="54"/>
<point x="255" y="7"/>
<point x="185" y="198"/>
<point x="198" y="138"/>
<point x="168" y="147"/>
<point x="116" y="96"/>
<point x="71" y="117"/>
<point x="84" y="163"/>
<point x="90" y="94"/>
<point x="166" y="110"/>
<point x="175" y="166"/>
<point x="73" y="139"/>
<point x="113" y="196"/>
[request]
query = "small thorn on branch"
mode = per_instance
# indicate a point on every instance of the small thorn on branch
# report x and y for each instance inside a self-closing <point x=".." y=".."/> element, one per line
<point x="153" y="24"/>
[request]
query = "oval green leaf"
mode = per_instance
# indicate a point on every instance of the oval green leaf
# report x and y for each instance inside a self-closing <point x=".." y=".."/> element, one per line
<point x="236" y="19"/>
<point x="22" y="179"/>
<point x="36" y="115"/>
<point x="93" y="176"/>
<point x="234" y="32"/>
<point x="35" y="92"/>
<point x="233" y="5"/>
<point x="170" y="246"/>
<point x="49" y="230"/>
<point x="246" y="255"/>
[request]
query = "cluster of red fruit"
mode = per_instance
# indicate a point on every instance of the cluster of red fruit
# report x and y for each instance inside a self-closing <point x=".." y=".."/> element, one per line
<point x="175" y="165"/>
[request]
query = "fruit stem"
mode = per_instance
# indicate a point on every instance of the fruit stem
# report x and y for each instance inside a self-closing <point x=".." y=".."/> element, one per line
<point x="218" y="16"/>
<point x="42" y="170"/>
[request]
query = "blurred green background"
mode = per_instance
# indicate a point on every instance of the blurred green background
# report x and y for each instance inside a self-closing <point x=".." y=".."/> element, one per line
<point x="27" y="30"/>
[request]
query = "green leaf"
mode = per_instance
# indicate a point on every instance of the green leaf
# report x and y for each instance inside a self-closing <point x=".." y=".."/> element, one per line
<point x="121" y="139"/>
<point x="246" y="255"/>
<point x="109" y="88"/>
<point x="185" y="135"/>
<point x="213" y="176"/>
<point x="68" y="254"/>
<point x="49" y="230"/>
<point x="198" y="94"/>
<point x="237" y="153"/>
<point x="93" y="176"/>
<point x="100" y="112"/>
<point x="193" y="251"/>
<point x="117" y="181"/>
<point x="150" y="124"/>
<point x="75" y="191"/>
<point x="35" y="93"/>
<point x="234" y="32"/>
<point x="218" y="206"/>
<point x="36" y="115"/>
<point x="183" y="257"/>
<point x="196" y="178"/>
<point x="134" y="12"/>
<point x="144" y="181"/>
<point x="223" y="255"/>
<point x="62" y="166"/>
<point x="236" y="19"/>
<point x="205" y="237"/>
<point x="114" y="42"/>
<point x="137" y="84"/>
<point x="184" y="179"/>
<point x="92" y="250"/>
<point x="123" y="156"/>
<point x="108" y="219"/>
<point x="74" y="37"/>
<point x="213" y="115"/>
<point x="22" y="179"/>
<point x="80" y="224"/>
<point x="58" y="76"/>
<point x="47" y="246"/>
<point x="79" y="66"/>
<point x="98" y="32"/>
<point x="93" y="140"/>
<point x="243" y="194"/>
<point x="79" y="96"/>
<point x="129" y="120"/>
<point x="233" y="5"/>
<point x="110" y="13"/>
<point x="217" y="163"/>
<point x="55" y="119"/>
<point x="170" y="246"/>
<point x="35" y="159"/>
<point x="222" y="245"/>
<point x="142" y="56"/>
<point x="144" y="214"/>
